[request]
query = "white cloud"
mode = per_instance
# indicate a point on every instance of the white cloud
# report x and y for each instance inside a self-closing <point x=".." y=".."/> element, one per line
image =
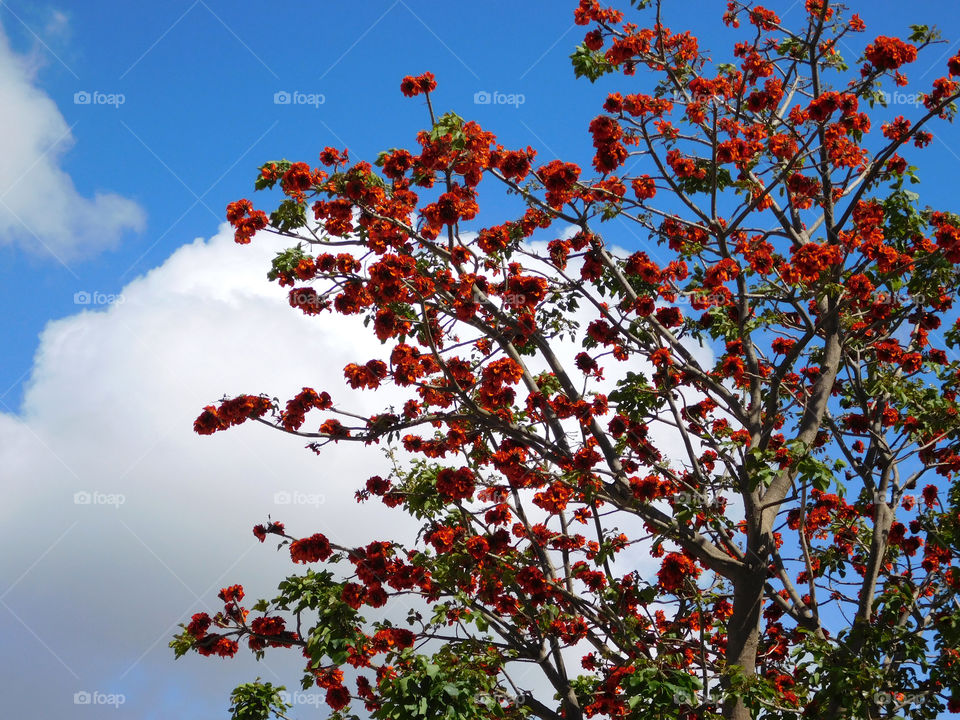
<point x="95" y="588"/>
<point x="40" y="208"/>
<point x="108" y="411"/>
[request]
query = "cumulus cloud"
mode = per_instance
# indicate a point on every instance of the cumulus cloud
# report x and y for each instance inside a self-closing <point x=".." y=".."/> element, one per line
<point x="122" y="522"/>
<point x="40" y="208"/>
<point x="126" y="522"/>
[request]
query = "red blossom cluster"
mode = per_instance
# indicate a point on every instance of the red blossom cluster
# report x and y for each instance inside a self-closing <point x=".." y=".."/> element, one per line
<point x="415" y="85"/>
<point x="231" y="412"/>
<point x="293" y="416"/>
<point x="889" y="53"/>
<point x="315" y="548"/>
<point x="245" y="220"/>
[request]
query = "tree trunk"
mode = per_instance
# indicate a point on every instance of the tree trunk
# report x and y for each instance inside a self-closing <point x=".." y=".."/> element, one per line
<point x="743" y="631"/>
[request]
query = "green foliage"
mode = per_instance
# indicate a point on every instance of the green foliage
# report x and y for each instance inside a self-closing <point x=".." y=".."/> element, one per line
<point x="276" y="169"/>
<point x="182" y="642"/>
<point x="286" y="261"/>
<point x="446" y="686"/>
<point x="635" y="397"/>
<point x="590" y="64"/>
<point x="289" y="215"/>
<point x="257" y="701"/>
<point x="336" y="625"/>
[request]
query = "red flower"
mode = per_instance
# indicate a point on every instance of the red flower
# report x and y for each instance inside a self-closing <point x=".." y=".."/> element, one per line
<point x="502" y="372"/>
<point x="887" y="53"/>
<point x="442" y="539"/>
<point x="365" y="376"/>
<point x="234" y="593"/>
<point x="338" y="697"/>
<point x="820" y="9"/>
<point x="376" y="596"/>
<point x="675" y="568"/>
<point x="593" y="40"/>
<point x="376" y="485"/>
<point x="390" y="637"/>
<point x="353" y="595"/>
<point x="781" y="346"/>
<point x="477" y="547"/>
<point x="331" y="156"/>
<point x="644" y="187"/>
<point x="415" y="85"/>
<point x="238" y="210"/>
<point x="315" y="548"/>
<point x="268" y="625"/>
<point x="455" y="485"/>
<point x="554" y="499"/>
<point x="723" y="271"/>
<point x="334" y="428"/>
<point x="669" y="316"/>
<point x="559" y="178"/>
<point x="199" y="624"/>
<point x="230" y="412"/>
<point x="217" y="645"/>
<point x="298" y="179"/>
<point x="274" y="528"/>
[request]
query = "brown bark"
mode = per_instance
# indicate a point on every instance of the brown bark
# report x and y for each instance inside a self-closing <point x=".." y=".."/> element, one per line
<point x="743" y="630"/>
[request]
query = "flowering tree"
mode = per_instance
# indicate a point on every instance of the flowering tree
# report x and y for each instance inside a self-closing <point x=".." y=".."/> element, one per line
<point x="803" y="517"/>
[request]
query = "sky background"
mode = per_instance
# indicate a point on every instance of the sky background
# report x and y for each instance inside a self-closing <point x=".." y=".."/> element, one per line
<point x="127" y="129"/>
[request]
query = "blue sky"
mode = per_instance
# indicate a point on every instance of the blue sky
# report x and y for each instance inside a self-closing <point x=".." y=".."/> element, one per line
<point x="105" y="200"/>
<point x="198" y="81"/>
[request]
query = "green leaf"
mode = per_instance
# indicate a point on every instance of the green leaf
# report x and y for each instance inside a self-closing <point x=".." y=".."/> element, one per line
<point x="290" y="215"/>
<point x="257" y="701"/>
<point x="590" y="64"/>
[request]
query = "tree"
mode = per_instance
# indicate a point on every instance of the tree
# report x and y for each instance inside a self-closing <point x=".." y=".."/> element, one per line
<point x="788" y="345"/>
